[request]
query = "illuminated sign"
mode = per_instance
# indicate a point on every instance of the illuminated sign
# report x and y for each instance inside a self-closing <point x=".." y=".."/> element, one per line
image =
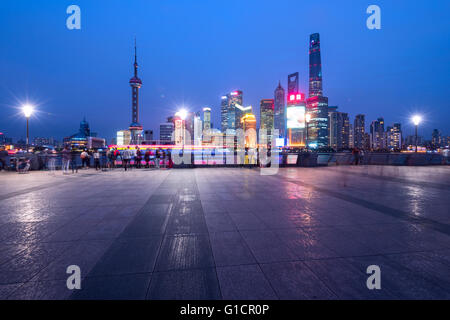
<point x="234" y="93"/>
<point x="295" y="116"/>
<point x="279" y="142"/>
<point x="296" y="97"/>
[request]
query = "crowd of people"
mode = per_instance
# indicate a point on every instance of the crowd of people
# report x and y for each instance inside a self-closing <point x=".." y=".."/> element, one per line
<point x="114" y="158"/>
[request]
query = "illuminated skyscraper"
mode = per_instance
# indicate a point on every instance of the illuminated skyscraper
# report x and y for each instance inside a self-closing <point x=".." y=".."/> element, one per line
<point x="266" y="114"/>
<point x="231" y="111"/>
<point x="279" y="112"/>
<point x="206" y="118"/>
<point x="394" y="137"/>
<point x="339" y="129"/>
<point x="135" y="83"/>
<point x="377" y="134"/>
<point x="295" y="113"/>
<point x="317" y="107"/>
<point x="315" y="66"/>
<point x="248" y="124"/>
<point x="224" y="113"/>
<point x="359" y="131"/>
<point x="235" y="112"/>
<point x="165" y="132"/>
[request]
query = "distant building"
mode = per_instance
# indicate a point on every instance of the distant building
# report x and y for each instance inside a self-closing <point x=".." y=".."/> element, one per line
<point x="206" y="118"/>
<point x="279" y="111"/>
<point x="317" y="107"/>
<point x="377" y="134"/>
<point x="84" y="138"/>
<point x="123" y="137"/>
<point x="315" y="66"/>
<point x="351" y="139"/>
<point x="4" y="140"/>
<point x="339" y="129"/>
<point x="295" y="114"/>
<point x="394" y="137"/>
<point x="148" y="135"/>
<point x="266" y="109"/>
<point x="198" y="130"/>
<point x="232" y="110"/>
<point x="165" y="132"/>
<point x="436" y="139"/>
<point x="359" y="131"/>
<point x="248" y="122"/>
<point x="135" y="83"/>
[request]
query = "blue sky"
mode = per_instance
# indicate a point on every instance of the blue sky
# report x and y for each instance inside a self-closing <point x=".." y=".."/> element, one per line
<point x="190" y="52"/>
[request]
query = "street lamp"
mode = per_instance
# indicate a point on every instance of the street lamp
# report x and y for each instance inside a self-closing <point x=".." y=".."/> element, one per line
<point x="416" y="120"/>
<point x="307" y="120"/>
<point x="27" y="111"/>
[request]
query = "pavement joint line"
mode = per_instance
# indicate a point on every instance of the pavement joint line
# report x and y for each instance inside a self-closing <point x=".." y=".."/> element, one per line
<point x="396" y="213"/>
<point x="440" y="186"/>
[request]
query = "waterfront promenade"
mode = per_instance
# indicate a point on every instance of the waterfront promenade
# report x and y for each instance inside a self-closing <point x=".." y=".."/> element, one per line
<point x="227" y="233"/>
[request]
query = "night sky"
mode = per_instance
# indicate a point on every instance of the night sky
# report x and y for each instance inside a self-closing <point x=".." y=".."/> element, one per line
<point x="191" y="52"/>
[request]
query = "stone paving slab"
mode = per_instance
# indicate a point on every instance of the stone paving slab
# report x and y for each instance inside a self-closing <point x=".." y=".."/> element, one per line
<point x="227" y="233"/>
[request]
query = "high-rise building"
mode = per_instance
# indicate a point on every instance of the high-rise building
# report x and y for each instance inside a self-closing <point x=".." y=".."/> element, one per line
<point x="295" y="113"/>
<point x="165" y="132"/>
<point x="123" y="137"/>
<point x="279" y="120"/>
<point x="377" y="134"/>
<point x="135" y="83"/>
<point x="359" y="131"/>
<point x="235" y="112"/>
<point x="248" y="122"/>
<point x="198" y="129"/>
<point x="351" y="139"/>
<point x="339" y="129"/>
<point x="148" y="135"/>
<point x="394" y="137"/>
<point x="317" y="107"/>
<point x="206" y="118"/>
<point x="224" y="113"/>
<point x="436" y="140"/>
<point x="266" y="109"/>
<point x="315" y="66"/>
<point x="232" y="111"/>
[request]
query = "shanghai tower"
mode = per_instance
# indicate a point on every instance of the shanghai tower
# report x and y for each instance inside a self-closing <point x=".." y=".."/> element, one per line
<point x="315" y="66"/>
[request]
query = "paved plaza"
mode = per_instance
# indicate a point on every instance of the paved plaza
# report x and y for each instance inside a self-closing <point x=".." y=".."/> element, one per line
<point x="227" y="233"/>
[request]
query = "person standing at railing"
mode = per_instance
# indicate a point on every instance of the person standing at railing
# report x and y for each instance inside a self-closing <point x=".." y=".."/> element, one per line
<point x="97" y="160"/>
<point x="126" y="157"/>
<point x="84" y="159"/>
<point x="4" y="158"/>
<point x="66" y="160"/>
<point x="73" y="160"/>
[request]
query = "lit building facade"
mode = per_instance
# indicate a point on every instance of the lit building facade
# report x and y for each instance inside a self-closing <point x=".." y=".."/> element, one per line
<point x="295" y="114"/>
<point x="315" y="66"/>
<point x="266" y="109"/>
<point x="359" y="131"/>
<point x="394" y="137"/>
<point x="339" y="129"/>
<point x="123" y="137"/>
<point x="248" y="122"/>
<point x="135" y="83"/>
<point x="165" y="133"/>
<point x="377" y="135"/>
<point x="317" y="107"/>
<point x="206" y="118"/>
<point x="279" y="111"/>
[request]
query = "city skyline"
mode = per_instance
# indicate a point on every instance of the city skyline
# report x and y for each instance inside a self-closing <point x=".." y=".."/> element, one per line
<point x="97" y="103"/>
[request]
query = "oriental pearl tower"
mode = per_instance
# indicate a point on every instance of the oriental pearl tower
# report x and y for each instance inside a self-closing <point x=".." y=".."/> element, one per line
<point x="135" y="83"/>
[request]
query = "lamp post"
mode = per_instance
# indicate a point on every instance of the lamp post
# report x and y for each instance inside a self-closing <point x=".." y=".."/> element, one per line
<point x="27" y="111"/>
<point x="416" y="120"/>
<point x="307" y="120"/>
